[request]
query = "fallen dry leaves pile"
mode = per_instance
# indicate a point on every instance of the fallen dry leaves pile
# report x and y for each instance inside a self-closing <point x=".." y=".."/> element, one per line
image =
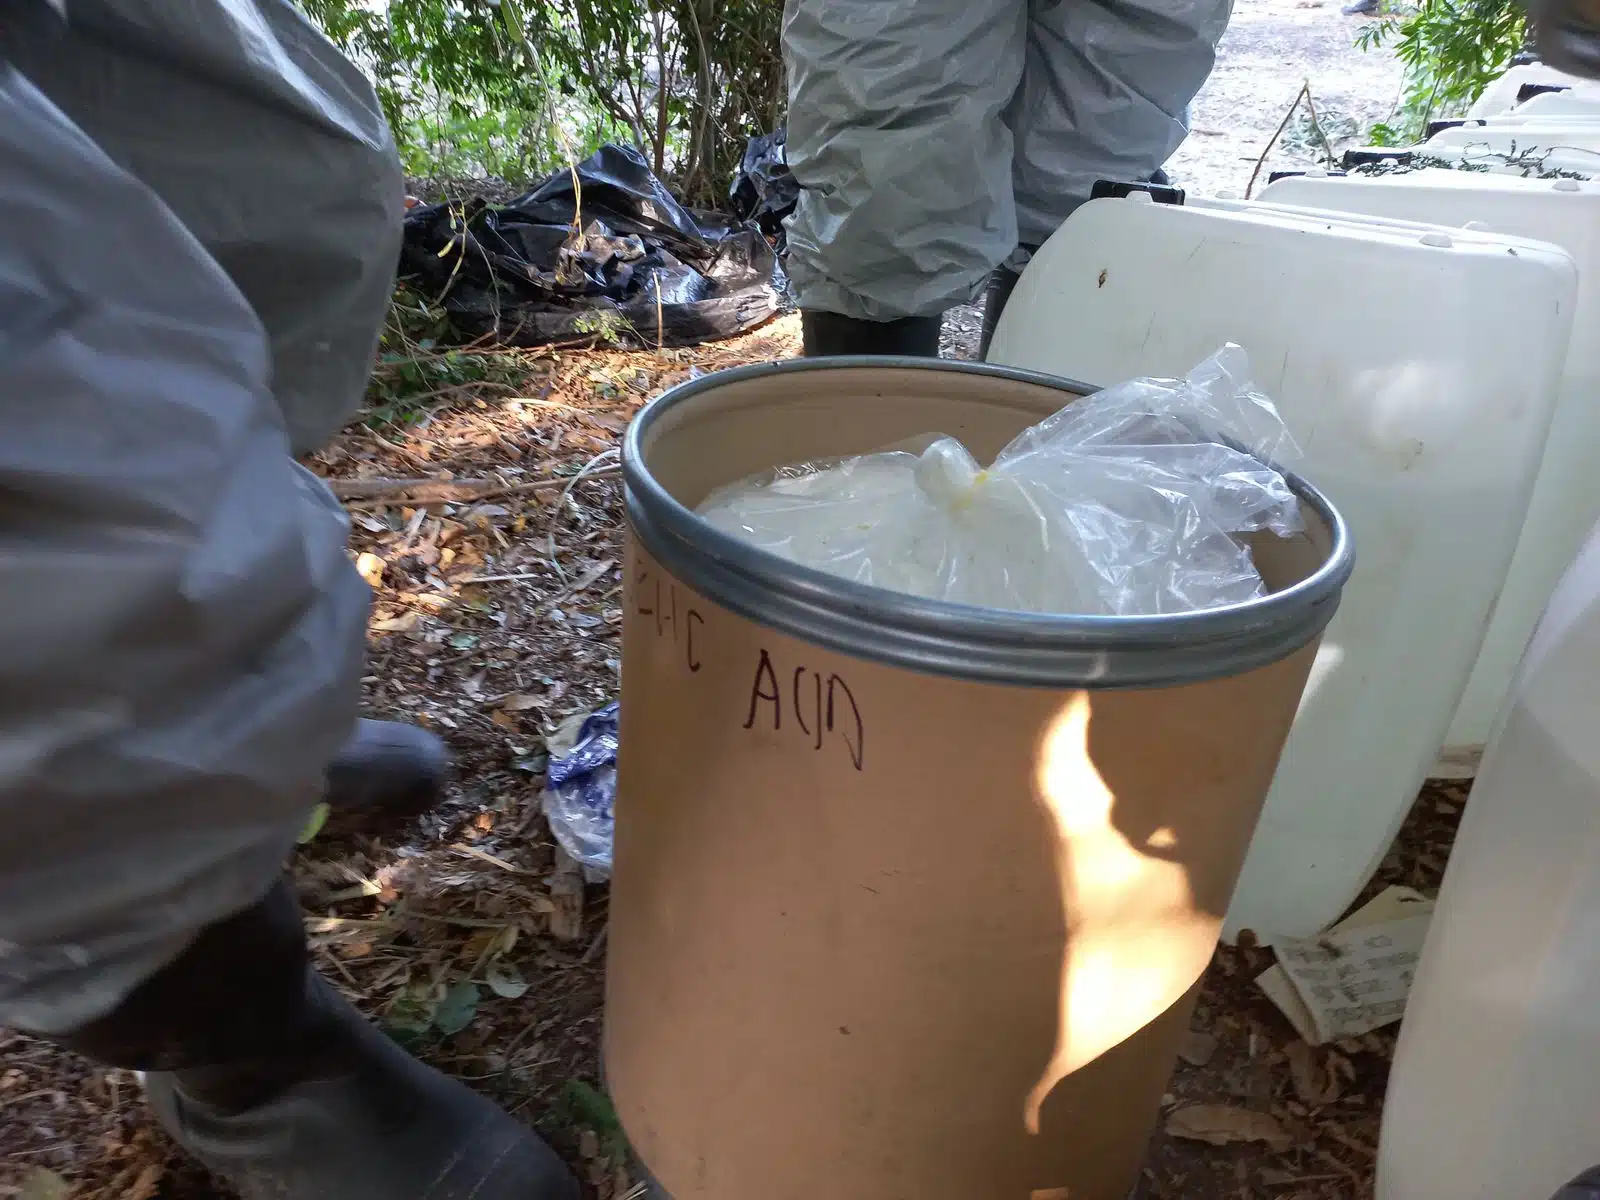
<point x="1253" y="1111"/>
<point x="489" y="527"/>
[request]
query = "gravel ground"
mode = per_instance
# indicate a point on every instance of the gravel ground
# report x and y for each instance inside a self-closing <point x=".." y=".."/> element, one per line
<point x="1271" y="49"/>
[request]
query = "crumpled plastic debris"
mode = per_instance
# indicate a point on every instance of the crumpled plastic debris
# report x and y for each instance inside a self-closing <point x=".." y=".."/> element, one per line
<point x="1128" y="501"/>
<point x="600" y="251"/>
<point x="581" y="788"/>
<point x="765" y="190"/>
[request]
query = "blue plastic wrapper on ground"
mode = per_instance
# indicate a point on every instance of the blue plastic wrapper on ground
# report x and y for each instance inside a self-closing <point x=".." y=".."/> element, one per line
<point x="580" y="790"/>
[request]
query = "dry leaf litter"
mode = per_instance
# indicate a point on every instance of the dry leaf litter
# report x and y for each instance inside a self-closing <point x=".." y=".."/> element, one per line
<point x="489" y="524"/>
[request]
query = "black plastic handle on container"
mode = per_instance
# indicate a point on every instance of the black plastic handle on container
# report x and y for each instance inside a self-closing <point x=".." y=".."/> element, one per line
<point x="1114" y="189"/>
<point x="1450" y="123"/>
<point x="1371" y="156"/>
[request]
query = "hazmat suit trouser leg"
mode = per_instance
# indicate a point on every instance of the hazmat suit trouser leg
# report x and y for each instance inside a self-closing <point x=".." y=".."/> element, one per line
<point x="931" y="137"/>
<point x="271" y="149"/>
<point x="179" y="662"/>
<point x="898" y="141"/>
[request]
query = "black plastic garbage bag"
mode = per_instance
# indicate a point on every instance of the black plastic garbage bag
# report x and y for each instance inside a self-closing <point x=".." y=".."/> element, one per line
<point x="765" y="191"/>
<point x="602" y="250"/>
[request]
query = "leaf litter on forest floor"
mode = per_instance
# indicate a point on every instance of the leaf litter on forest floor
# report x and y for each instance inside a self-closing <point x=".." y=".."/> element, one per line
<point x="494" y="622"/>
<point x="1221" y="1125"/>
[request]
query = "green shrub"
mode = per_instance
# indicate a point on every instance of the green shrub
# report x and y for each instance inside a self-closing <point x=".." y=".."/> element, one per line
<point x="1452" y="50"/>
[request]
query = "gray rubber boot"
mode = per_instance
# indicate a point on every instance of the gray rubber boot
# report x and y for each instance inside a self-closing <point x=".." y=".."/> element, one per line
<point x="264" y="1073"/>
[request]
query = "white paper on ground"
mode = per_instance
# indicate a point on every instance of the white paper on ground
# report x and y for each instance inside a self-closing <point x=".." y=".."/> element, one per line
<point x="1355" y="977"/>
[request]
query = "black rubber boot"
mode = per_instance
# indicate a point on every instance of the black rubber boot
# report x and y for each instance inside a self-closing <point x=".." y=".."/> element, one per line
<point x="1584" y="1187"/>
<point x="387" y="769"/>
<point x="258" y="1068"/>
<point x="829" y="334"/>
<point x="1002" y="282"/>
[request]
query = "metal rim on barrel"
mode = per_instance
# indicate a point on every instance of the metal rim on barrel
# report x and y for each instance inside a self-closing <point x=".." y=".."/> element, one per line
<point x="961" y="641"/>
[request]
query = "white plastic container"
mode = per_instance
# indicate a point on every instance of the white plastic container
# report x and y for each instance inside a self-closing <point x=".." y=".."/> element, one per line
<point x="1566" y="498"/>
<point x="1532" y="113"/>
<point x="1418" y="370"/>
<point x="1501" y="95"/>
<point x="1527" y="137"/>
<point x="1480" y="160"/>
<point x="1584" y="103"/>
<point x="1495" y="1092"/>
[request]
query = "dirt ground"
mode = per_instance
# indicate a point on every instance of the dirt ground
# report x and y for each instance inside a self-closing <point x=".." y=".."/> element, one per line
<point x="497" y="589"/>
<point x="1271" y="49"/>
<point x="496" y="618"/>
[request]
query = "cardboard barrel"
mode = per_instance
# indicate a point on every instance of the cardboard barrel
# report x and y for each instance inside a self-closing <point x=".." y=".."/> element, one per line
<point x="911" y="899"/>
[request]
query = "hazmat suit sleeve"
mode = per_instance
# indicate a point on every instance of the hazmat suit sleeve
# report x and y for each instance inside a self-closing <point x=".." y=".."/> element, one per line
<point x="931" y="137"/>
<point x="268" y="145"/>
<point x="180" y="628"/>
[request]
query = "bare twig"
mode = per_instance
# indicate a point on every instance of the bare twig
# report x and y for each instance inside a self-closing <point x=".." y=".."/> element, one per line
<point x="664" y="87"/>
<point x="592" y="470"/>
<point x="456" y="352"/>
<point x="424" y="490"/>
<point x="661" y="326"/>
<point x="588" y="579"/>
<point x="1316" y="124"/>
<point x="597" y="944"/>
<point x="451" y="491"/>
<point x="457" y="213"/>
<point x="584" y="476"/>
<point x="492" y="860"/>
<point x="452" y="389"/>
<point x="702" y="153"/>
<point x="514" y="577"/>
<point x="1304" y="92"/>
<point x="519" y="28"/>
<point x="545" y="402"/>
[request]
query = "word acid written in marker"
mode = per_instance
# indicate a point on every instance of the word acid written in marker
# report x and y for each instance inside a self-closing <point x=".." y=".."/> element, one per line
<point x="819" y="709"/>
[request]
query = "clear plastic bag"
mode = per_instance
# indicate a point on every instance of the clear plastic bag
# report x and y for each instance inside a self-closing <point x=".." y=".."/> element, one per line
<point x="1128" y="501"/>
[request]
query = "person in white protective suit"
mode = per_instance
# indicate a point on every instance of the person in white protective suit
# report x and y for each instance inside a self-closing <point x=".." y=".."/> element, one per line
<point x="201" y="224"/>
<point x="937" y="142"/>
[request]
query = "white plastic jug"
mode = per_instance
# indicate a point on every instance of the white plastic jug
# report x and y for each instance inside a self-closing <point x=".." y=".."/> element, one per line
<point x="1501" y="95"/>
<point x="1495" y="1092"/>
<point x="1566" y="498"/>
<point x="1418" y="370"/>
